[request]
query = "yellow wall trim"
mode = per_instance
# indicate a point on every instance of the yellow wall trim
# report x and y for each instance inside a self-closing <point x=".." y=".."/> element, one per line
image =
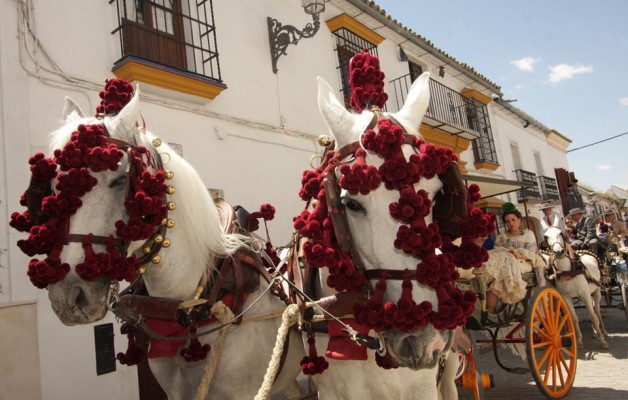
<point x="472" y="93"/>
<point x="486" y="165"/>
<point x="136" y="70"/>
<point x="345" y="21"/>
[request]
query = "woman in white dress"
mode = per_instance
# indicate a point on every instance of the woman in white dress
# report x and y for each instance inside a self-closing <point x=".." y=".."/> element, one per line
<point x="515" y="252"/>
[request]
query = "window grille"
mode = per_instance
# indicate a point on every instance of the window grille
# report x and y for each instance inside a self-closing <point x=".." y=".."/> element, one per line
<point x="484" y="146"/>
<point x="347" y="45"/>
<point x="177" y="34"/>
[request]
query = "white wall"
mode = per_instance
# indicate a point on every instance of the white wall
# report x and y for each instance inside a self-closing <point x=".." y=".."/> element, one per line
<point x="253" y="141"/>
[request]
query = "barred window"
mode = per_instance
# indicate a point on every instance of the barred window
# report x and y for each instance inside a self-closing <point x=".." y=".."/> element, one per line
<point x="178" y="34"/>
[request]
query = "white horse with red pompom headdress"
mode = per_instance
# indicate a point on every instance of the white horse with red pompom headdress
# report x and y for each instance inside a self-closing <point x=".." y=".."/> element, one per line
<point x="373" y="231"/>
<point x="101" y="209"/>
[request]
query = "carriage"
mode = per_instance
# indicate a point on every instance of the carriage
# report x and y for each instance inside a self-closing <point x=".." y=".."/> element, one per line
<point x="539" y="328"/>
<point x="614" y="270"/>
<point x="541" y="322"/>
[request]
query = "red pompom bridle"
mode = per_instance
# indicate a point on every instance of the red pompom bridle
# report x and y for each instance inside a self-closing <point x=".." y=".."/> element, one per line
<point x="330" y="244"/>
<point x="47" y="219"/>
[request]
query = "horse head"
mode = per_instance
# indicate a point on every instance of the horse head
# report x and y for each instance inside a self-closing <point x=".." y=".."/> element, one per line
<point x="381" y="181"/>
<point x="555" y="241"/>
<point x="98" y="210"/>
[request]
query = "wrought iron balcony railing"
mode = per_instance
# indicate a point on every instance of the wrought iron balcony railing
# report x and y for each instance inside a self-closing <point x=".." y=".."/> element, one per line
<point x="178" y="35"/>
<point x="529" y="193"/>
<point x="448" y="109"/>
<point x="548" y="188"/>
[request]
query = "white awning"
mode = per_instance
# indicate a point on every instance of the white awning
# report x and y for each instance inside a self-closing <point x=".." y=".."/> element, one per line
<point x="494" y="186"/>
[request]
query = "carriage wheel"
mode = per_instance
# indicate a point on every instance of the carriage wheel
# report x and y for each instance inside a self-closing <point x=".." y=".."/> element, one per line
<point x="551" y="343"/>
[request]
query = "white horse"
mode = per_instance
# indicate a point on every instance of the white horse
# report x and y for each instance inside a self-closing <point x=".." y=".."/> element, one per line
<point x="576" y="285"/>
<point x="196" y="238"/>
<point x="373" y="231"/>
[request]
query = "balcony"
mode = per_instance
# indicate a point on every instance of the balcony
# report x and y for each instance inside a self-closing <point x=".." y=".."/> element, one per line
<point x="530" y="193"/>
<point x="548" y="188"/>
<point x="448" y="111"/>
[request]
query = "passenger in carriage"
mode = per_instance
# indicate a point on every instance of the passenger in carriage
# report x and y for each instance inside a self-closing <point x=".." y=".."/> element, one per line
<point x="515" y="252"/>
<point x="584" y="236"/>
<point x="568" y="227"/>
<point x="615" y="226"/>
<point x="550" y="218"/>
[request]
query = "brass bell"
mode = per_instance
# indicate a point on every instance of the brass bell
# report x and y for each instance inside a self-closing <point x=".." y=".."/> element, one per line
<point x="171" y="205"/>
<point x="146" y="249"/>
<point x="157" y="142"/>
<point x="169" y="174"/>
<point x="158" y="239"/>
<point x="170" y="190"/>
<point x="164" y="222"/>
<point x="166" y="243"/>
<point x="142" y="270"/>
<point x="324" y="140"/>
<point x="155" y="259"/>
<point x="170" y="223"/>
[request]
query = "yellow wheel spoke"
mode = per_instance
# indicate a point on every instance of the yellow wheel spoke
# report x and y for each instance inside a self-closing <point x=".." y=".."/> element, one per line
<point x="558" y="311"/>
<point x="569" y="353"/>
<point x="541" y="332"/>
<point x="546" y="313"/>
<point x="563" y="361"/>
<point x="558" y="363"/>
<point x="540" y="317"/>
<point x="544" y="358"/>
<point x="542" y="344"/>
<point x="562" y="323"/>
<point x="548" y="370"/>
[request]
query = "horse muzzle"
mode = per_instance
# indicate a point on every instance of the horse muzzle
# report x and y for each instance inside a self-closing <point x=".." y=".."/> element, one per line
<point x="419" y="349"/>
<point x="77" y="302"/>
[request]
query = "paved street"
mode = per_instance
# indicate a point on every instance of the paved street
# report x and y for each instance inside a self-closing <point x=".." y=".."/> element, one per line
<point x="601" y="374"/>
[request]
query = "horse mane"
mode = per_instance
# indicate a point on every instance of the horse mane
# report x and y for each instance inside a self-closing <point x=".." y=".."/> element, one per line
<point x="199" y="216"/>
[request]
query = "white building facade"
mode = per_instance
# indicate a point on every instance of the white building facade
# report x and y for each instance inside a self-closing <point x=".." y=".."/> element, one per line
<point x="205" y="74"/>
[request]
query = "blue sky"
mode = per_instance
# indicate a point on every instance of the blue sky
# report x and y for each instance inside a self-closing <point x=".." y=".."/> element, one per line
<point x="565" y="61"/>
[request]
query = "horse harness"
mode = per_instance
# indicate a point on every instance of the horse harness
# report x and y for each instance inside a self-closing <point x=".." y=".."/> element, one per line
<point x="302" y="277"/>
<point x="237" y="275"/>
<point x="577" y="267"/>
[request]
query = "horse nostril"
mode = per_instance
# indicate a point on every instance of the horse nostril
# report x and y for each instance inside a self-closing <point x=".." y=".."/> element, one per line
<point x="80" y="300"/>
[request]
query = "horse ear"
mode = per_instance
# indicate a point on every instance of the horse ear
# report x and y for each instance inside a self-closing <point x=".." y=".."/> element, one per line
<point x="122" y="126"/>
<point x="339" y="120"/>
<point x="72" y="111"/>
<point x="416" y="104"/>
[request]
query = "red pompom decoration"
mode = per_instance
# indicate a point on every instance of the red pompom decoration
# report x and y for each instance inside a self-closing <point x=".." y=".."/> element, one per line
<point x="367" y="82"/>
<point x="359" y="177"/>
<point x="133" y="354"/>
<point x="195" y="351"/>
<point x="313" y="364"/>
<point x="386" y="141"/>
<point x="116" y="95"/>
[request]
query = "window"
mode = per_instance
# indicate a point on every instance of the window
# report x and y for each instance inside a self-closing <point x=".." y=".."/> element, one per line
<point x="478" y="121"/>
<point x="516" y="160"/>
<point x="168" y="36"/>
<point x="539" y="164"/>
<point x="347" y="45"/>
<point x="415" y="70"/>
<point x="351" y="38"/>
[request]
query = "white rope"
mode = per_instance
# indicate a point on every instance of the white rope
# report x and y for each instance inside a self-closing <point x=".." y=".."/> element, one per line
<point x="290" y="317"/>
<point x="222" y="314"/>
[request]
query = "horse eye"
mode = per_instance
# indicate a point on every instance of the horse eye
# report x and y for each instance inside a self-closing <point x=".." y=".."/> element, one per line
<point x="121" y="180"/>
<point x="352" y="204"/>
